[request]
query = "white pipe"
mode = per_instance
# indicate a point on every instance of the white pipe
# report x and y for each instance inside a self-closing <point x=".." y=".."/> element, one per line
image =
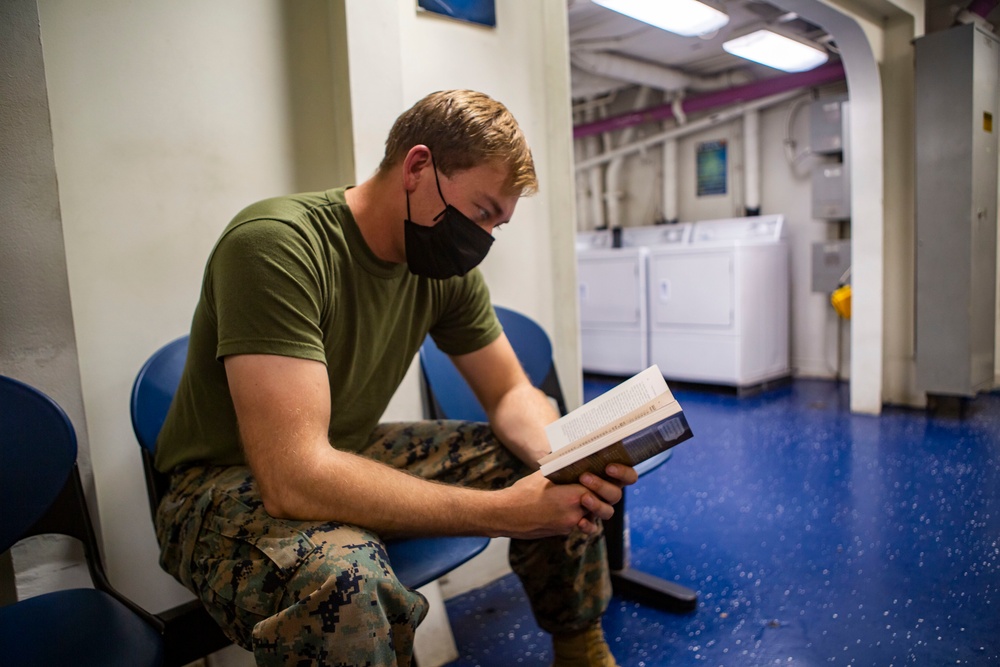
<point x="751" y="161"/>
<point x="695" y="126"/>
<point x="613" y="178"/>
<point x="593" y="59"/>
<point x="631" y="70"/>
<point x="670" y="206"/>
<point x="595" y="175"/>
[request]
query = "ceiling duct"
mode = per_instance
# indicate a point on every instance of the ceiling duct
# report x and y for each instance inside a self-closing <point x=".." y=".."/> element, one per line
<point x="630" y="70"/>
<point x="828" y="73"/>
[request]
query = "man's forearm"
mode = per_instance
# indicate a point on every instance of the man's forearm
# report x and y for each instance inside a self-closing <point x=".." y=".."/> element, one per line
<point x="340" y="486"/>
<point x="519" y="421"/>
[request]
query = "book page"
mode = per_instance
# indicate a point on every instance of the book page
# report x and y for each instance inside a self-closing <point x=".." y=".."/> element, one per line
<point x="632" y="450"/>
<point x="644" y="426"/>
<point x="656" y="405"/>
<point x="609" y="408"/>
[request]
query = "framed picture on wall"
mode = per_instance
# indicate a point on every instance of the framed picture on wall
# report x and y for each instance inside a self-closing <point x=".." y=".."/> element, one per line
<point x="711" y="168"/>
<point x="481" y="12"/>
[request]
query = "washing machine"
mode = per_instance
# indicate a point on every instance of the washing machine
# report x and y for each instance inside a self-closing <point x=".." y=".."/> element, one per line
<point x="614" y="306"/>
<point x="673" y="235"/>
<point x="719" y="304"/>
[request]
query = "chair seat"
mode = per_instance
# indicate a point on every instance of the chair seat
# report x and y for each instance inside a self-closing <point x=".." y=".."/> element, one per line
<point x="420" y="561"/>
<point x="80" y="626"/>
<point x="652" y="463"/>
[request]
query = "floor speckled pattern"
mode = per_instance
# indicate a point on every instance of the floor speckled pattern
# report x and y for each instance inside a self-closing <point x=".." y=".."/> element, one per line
<point x="812" y="536"/>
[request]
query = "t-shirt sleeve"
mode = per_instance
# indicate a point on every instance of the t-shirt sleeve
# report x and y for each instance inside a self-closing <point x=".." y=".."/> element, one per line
<point x="469" y="322"/>
<point x="267" y="290"/>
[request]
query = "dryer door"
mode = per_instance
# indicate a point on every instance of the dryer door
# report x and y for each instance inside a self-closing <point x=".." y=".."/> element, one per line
<point x="611" y="287"/>
<point x="692" y="289"/>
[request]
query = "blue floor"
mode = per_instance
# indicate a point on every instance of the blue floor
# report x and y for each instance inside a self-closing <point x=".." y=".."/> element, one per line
<point x="812" y="536"/>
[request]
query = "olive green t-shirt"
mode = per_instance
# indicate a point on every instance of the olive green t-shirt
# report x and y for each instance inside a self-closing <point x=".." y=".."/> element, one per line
<point x="293" y="276"/>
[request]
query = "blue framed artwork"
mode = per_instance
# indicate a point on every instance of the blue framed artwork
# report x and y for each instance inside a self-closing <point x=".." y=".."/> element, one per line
<point x="711" y="157"/>
<point x="482" y="12"/>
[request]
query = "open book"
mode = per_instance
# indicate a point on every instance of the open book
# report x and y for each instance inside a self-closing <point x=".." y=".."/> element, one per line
<point x="628" y="424"/>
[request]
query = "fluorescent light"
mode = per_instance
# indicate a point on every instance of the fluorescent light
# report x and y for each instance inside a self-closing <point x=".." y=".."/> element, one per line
<point x="769" y="48"/>
<point x="684" y="17"/>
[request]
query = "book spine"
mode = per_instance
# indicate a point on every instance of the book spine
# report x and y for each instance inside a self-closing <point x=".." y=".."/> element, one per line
<point x="654" y="439"/>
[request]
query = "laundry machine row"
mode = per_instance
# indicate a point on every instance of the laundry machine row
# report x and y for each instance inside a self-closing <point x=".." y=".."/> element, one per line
<point x="707" y="301"/>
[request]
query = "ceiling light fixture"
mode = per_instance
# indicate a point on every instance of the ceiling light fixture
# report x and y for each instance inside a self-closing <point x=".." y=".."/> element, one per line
<point x="767" y="47"/>
<point x="689" y="18"/>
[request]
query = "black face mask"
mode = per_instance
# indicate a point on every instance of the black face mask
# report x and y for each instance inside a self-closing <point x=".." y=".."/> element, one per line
<point x="452" y="247"/>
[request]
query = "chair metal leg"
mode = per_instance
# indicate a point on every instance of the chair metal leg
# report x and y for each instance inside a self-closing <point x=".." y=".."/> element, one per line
<point x="190" y="634"/>
<point x="635" y="584"/>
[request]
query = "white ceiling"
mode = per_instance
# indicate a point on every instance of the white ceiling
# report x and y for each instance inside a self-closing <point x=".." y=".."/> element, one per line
<point x="595" y="29"/>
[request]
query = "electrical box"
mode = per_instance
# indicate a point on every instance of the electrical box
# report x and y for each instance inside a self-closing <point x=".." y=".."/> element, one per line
<point x="828" y="138"/>
<point x="957" y="73"/>
<point x="830" y="262"/>
<point x="827" y="125"/>
<point x="831" y="191"/>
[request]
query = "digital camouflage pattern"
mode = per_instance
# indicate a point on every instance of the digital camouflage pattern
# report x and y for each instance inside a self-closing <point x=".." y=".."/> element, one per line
<point x="324" y="593"/>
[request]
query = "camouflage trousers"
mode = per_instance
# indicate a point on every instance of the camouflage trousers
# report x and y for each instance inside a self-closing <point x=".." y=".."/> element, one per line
<point x="324" y="593"/>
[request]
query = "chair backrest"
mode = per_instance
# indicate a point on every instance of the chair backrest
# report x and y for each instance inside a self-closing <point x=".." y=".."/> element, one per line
<point x="152" y="393"/>
<point x="190" y="633"/>
<point x="450" y="397"/>
<point x="37" y="456"/>
<point x="40" y="488"/>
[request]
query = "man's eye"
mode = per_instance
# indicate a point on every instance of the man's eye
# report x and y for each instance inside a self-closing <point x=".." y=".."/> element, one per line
<point x="484" y="215"/>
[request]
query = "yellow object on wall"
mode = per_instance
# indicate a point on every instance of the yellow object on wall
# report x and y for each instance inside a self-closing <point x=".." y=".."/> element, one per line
<point x="841" y="300"/>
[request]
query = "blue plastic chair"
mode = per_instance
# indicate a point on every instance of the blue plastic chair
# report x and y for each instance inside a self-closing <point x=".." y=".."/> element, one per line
<point x="416" y="561"/>
<point x="41" y="493"/>
<point x="450" y="397"/>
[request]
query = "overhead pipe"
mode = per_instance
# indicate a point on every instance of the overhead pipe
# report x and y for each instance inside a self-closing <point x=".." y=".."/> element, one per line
<point x="747" y="93"/>
<point x="629" y="69"/>
<point x="623" y="68"/>
<point x="695" y="126"/>
<point x="976" y="13"/>
<point x="982" y="8"/>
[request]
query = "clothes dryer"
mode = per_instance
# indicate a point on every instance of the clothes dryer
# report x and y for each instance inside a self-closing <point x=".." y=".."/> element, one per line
<point x="614" y="329"/>
<point x="719" y="304"/>
<point x="614" y="306"/>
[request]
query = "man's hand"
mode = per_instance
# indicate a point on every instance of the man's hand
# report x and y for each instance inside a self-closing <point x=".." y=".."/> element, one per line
<point x="603" y="493"/>
<point x="539" y="508"/>
<point x="608" y="491"/>
<point x="534" y="507"/>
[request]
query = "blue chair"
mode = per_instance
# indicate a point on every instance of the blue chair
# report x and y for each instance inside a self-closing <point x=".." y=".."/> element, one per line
<point x="41" y="493"/>
<point x="450" y="397"/>
<point x="416" y="561"/>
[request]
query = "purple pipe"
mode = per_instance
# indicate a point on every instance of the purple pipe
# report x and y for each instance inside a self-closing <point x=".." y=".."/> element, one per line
<point x="752" y="91"/>
<point x="981" y="8"/>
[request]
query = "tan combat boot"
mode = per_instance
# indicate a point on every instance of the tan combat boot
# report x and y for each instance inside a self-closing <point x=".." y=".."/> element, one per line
<point x="583" y="649"/>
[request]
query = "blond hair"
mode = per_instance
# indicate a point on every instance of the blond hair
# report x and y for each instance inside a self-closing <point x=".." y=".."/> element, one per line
<point x="463" y="129"/>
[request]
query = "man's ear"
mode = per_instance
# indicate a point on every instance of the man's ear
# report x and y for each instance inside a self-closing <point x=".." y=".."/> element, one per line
<point x="415" y="165"/>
